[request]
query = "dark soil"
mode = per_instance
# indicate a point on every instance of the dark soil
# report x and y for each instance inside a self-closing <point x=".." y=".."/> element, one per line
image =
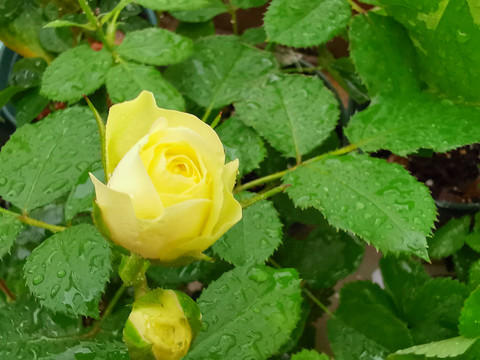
<point x="451" y="177"/>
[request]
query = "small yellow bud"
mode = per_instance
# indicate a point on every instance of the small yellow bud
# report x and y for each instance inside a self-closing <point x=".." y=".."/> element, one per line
<point x="162" y="325"/>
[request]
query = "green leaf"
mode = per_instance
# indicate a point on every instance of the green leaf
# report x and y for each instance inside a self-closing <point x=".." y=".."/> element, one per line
<point x="68" y="271"/>
<point x="434" y="309"/>
<point x="449" y="238"/>
<point x="7" y="93"/>
<point x="295" y="113"/>
<point x="28" y="330"/>
<point x="305" y="22"/>
<point x="29" y="106"/>
<point x="246" y="4"/>
<point x="242" y="143"/>
<point x="203" y="271"/>
<point x="220" y="70"/>
<point x="401" y="118"/>
<point x="67" y="23"/>
<point x="196" y="31"/>
<point x="323" y="257"/>
<point x="214" y="8"/>
<point x="443" y="33"/>
<point x="56" y="40"/>
<point x="469" y="325"/>
<point x="82" y="195"/>
<point x="77" y="72"/>
<point x="365" y="324"/>
<point x="254" y="36"/>
<point x="155" y="46"/>
<point x="463" y="260"/>
<point x="309" y="355"/>
<point x="250" y="242"/>
<point x="402" y="278"/>
<point x="49" y="156"/>
<point x="248" y="313"/>
<point x="474" y="275"/>
<point x="10" y="227"/>
<point x="380" y="202"/>
<point x="373" y="36"/>
<point x="449" y="348"/>
<point x="405" y="123"/>
<point x="126" y="80"/>
<point x="168" y="5"/>
<point x="27" y="72"/>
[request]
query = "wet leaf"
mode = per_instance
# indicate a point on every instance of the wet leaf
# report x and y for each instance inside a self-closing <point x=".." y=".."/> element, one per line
<point x="295" y="113"/>
<point x="242" y="143"/>
<point x="155" y="46"/>
<point x="82" y="195"/>
<point x="469" y="325"/>
<point x="380" y="202"/>
<point x="250" y="242"/>
<point x="401" y="118"/>
<point x="247" y="313"/>
<point x="449" y="238"/>
<point x="309" y="355"/>
<point x="323" y="257"/>
<point x="77" y="72"/>
<point x="27" y="73"/>
<point x="444" y="34"/>
<point x="126" y="80"/>
<point x="10" y="227"/>
<point x="449" y="348"/>
<point x="49" y="156"/>
<point x="434" y="310"/>
<point x="29" y="106"/>
<point x="214" y="8"/>
<point x="220" y="70"/>
<point x="67" y="273"/>
<point x="34" y="331"/>
<point x="304" y="23"/>
<point x="365" y="324"/>
<point x="168" y="5"/>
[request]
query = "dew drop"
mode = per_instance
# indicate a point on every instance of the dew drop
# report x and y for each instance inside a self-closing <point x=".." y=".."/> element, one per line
<point x="38" y="279"/>
<point x="61" y="273"/>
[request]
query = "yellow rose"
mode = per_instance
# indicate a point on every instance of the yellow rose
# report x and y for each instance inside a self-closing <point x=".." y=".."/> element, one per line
<point x="162" y="325"/>
<point x="170" y="192"/>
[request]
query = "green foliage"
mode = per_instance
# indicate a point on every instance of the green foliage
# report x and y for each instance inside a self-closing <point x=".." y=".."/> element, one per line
<point x="49" y="156"/>
<point x="219" y="71"/>
<point x="214" y="8"/>
<point x="309" y="355"/>
<point x="80" y="199"/>
<point x="250" y="242"/>
<point x="168" y="5"/>
<point x="242" y="143"/>
<point x="29" y="106"/>
<point x="77" y="72"/>
<point x="27" y="73"/>
<point x="155" y="46"/>
<point x="402" y="278"/>
<point x="294" y="113"/>
<point x="10" y="227"/>
<point x="449" y="348"/>
<point x="366" y="324"/>
<point x="401" y="118"/>
<point x="469" y="325"/>
<point x="257" y="306"/>
<point x="305" y="22"/>
<point x="379" y="202"/>
<point x="323" y="257"/>
<point x="449" y="238"/>
<point x="33" y="331"/>
<point x="126" y="80"/>
<point x="67" y="273"/>
<point x="434" y="310"/>
<point x="196" y="31"/>
<point x="443" y="33"/>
